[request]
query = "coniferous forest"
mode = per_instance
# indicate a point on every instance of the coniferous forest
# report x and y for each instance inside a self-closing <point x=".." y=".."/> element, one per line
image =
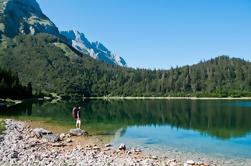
<point x="10" y="86"/>
<point x="53" y="66"/>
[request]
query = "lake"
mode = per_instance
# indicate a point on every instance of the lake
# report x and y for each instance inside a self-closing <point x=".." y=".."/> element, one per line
<point x="210" y="127"/>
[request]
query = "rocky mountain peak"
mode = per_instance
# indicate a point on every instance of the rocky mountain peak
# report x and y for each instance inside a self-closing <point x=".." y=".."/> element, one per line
<point x="19" y="17"/>
<point x="24" y="17"/>
<point x="95" y="49"/>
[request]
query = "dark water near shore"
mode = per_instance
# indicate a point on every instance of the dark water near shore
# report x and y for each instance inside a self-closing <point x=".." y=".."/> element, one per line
<point x="221" y="127"/>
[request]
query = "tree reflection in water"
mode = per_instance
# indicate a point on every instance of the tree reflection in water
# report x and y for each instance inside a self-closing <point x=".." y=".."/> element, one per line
<point x="218" y="118"/>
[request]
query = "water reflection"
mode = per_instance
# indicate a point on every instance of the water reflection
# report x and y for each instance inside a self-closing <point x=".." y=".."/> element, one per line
<point x="221" y="119"/>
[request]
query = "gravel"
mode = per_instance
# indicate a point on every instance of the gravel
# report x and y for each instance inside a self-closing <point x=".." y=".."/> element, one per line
<point x="20" y="146"/>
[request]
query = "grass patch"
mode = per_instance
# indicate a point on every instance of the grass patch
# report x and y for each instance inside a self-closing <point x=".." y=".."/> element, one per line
<point x="68" y="52"/>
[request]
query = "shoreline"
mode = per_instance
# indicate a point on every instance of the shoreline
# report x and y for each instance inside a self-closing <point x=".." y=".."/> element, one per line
<point x="167" y="98"/>
<point x="19" y="146"/>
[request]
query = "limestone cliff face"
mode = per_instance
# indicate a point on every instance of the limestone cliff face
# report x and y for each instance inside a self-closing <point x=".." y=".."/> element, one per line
<point x="24" y="17"/>
<point x="95" y="49"/>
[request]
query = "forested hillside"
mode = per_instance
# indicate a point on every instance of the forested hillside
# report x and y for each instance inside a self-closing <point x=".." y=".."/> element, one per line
<point x="10" y="86"/>
<point x="53" y="66"/>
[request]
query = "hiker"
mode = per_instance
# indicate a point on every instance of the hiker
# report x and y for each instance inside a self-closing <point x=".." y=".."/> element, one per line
<point x="76" y="116"/>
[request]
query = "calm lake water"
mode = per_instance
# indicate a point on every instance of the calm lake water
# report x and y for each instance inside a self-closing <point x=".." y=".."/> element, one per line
<point x="203" y="126"/>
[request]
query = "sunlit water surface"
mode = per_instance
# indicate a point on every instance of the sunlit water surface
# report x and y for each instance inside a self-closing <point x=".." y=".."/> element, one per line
<point x="217" y="127"/>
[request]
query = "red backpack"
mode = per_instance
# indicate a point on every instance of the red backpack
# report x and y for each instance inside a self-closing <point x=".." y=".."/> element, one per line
<point x="74" y="112"/>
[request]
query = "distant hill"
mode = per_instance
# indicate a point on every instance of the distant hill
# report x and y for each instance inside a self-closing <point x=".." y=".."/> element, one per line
<point x="53" y="66"/>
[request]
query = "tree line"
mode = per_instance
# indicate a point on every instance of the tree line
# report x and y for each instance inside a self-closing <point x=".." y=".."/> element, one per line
<point x="58" y="68"/>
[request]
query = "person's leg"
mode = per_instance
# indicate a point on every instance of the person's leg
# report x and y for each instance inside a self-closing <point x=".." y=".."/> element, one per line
<point x="76" y="123"/>
<point x="79" y="123"/>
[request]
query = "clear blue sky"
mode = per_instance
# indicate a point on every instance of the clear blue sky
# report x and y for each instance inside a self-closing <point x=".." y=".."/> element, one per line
<point x="159" y="33"/>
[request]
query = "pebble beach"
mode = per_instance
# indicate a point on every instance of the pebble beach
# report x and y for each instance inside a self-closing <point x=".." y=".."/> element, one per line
<point x="22" y="145"/>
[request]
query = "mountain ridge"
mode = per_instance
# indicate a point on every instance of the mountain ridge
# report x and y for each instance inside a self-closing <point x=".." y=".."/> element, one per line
<point x="24" y="17"/>
<point x="19" y="17"/>
<point x="96" y="49"/>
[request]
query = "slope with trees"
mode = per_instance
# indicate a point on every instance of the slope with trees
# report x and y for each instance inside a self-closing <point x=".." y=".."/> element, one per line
<point x="10" y="86"/>
<point x="54" y="66"/>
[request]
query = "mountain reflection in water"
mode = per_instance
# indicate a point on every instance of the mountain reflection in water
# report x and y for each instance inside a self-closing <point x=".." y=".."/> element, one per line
<point x="218" y="118"/>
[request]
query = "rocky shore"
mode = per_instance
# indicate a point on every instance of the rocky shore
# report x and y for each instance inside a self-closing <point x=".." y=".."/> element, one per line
<point x="21" y="145"/>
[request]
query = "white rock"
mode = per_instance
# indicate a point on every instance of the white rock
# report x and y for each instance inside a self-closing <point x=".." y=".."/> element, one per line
<point x="122" y="147"/>
<point x="190" y="162"/>
<point x="154" y="157"/>
<point x="62" y="136"/>
<point x="68" y="140"/>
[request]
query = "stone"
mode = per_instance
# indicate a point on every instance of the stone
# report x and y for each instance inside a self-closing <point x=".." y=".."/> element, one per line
<point x="39" y="132"/>
<point x="62" y="136"/>
<point x="58" y="145"/>
<point x="96" y="148"/>
<point x="107" y="149"/>
<point x="14" y="154"/>
<point x="108" y="145"/>
<point x="20" y="137"/>
<point x="52" y="137"/>
<point x="32" y="135"/>
<point x="154" y="157"/>
<point x="69" y="140"/>
<point x="122" y="147"/>
<point x="137" y="150"/>
<point x="190" y="162"/>
<point x="77" y="132"/>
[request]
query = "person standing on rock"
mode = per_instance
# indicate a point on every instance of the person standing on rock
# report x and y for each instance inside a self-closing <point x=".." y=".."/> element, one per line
<point x="76" y="116"/>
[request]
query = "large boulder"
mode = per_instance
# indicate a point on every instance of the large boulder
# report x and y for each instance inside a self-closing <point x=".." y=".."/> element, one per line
<point x="77" y="132"/>
<point x="39" y="132"/>
<point x="52" y="137"/>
